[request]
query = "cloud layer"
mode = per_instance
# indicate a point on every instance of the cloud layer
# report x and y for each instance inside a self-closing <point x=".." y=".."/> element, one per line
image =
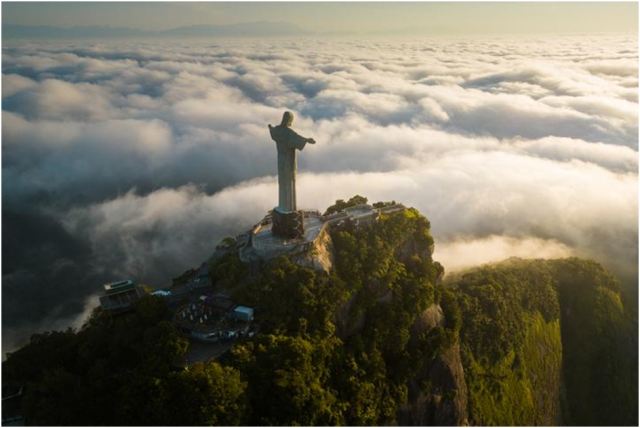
<point x="134" y="159"/>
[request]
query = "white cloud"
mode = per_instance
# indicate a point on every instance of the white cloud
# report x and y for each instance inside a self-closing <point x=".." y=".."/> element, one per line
<point x="549" y="208"/>
<point x="14" y="83"/>
<point x="467" y="253"/>
<point x="59" y="100"/>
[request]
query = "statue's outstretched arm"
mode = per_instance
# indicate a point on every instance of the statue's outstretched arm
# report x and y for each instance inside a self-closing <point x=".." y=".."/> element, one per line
<point x="297" y="141"/>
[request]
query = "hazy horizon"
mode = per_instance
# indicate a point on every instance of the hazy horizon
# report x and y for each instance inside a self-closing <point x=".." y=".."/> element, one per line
<point x="362" y="18"/>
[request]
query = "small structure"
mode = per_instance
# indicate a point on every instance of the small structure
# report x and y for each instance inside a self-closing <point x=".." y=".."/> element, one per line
<point x="242" y="313"/>
<point x="207" y="321"/>
<point x="118" y="286"/>
<point x="264" y="244"/>
<point x="120" y="296"/>
<point x="221" y="303"/>
<point x="361" y="215"/>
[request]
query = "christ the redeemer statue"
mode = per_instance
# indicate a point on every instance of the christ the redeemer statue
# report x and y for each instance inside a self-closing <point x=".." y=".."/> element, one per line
<point x="287" y="141"/>
<point x="287" y="221"/>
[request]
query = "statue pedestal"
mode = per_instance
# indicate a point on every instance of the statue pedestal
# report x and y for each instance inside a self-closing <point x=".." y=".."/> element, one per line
<point x="287" y="224"/>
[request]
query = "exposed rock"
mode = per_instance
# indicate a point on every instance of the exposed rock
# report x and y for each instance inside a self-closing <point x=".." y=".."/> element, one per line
<point x="428" y="319"/>
<point x="412" y="247"/>
<point x="345" y="326"/>
<point x="319" y="256"/>
<point x="438" y="393"/>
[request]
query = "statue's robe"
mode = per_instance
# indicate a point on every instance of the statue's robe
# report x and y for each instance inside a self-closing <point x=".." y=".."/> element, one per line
<point x="287" y="141"/>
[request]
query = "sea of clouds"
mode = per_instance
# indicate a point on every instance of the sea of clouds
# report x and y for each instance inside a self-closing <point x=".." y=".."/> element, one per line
<point x="133" y="159"/>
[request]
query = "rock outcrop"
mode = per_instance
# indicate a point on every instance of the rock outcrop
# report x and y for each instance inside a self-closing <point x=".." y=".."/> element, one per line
<point x="438" y="392"/>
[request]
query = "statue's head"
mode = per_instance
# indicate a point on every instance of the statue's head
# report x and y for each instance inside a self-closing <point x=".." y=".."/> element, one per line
<point x="287" y="119"/>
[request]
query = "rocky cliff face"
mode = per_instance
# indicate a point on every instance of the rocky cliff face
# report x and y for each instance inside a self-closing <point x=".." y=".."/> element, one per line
<point x="542" y="340"/>
<point x="438" y="392"/>
<point x="319" y="257"/>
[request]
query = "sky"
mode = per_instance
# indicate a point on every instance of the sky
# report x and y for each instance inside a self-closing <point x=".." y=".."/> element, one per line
<point x="381" y="18"/>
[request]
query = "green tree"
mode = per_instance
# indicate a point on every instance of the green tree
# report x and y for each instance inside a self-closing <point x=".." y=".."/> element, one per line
<point x="205" y="394"/>
<point x="340" y="204"/>
<point x="287" y="381"/>
<point x="286" y="294"/>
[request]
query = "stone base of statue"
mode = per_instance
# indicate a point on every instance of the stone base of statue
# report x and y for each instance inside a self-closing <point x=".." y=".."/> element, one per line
<point x="287" y="225"/>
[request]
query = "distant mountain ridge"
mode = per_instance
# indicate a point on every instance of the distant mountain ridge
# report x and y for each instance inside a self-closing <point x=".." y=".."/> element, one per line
<point x="246" y="29"/>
